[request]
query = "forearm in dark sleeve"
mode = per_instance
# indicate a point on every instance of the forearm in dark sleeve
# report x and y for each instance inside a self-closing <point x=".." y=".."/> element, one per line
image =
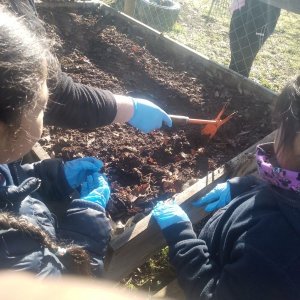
<point x="245" y="274"/>
<point x="74" y="105"/>
<point x="197" y="272"/>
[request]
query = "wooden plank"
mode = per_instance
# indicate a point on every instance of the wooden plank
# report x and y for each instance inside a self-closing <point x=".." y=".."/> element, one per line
<point x="129" y="7"/>
<point x="137" y="244"/>
<point x="37" y="153"/>
<point x="69" y="4"/>
<point x="40" y="153"/>
<point x="171" y="291"/>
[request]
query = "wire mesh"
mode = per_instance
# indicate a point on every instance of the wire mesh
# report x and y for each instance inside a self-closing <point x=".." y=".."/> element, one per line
<point x="159" y="14"/>
<point x="250" y="26"/>
<point x="252" y="37"/>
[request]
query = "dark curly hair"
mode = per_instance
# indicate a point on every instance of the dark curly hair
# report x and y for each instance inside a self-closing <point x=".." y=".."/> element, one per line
<point x="76" y="260"/>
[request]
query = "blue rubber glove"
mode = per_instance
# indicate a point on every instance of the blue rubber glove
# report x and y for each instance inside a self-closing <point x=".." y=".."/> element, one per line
<point x="167" y="214"/>
<point x="99" y="195"/>
<point x="77" y="170"/>
<point x="216" y="198"/>
<point x="92" y="183"/>
<point x="148" y="116"/>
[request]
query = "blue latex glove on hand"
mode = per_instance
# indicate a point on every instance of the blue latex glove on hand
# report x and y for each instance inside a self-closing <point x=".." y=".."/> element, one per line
<point x="77" y="170"/>
<point x="148" y="116"/>
<point x="218" y="197"/>
<point x="167" y="214"/>
<point x="92" y="183"/>
<point x="99" y="195"/>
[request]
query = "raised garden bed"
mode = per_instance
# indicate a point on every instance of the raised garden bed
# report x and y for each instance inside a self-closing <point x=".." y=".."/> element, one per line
<point x="98" y="49"/>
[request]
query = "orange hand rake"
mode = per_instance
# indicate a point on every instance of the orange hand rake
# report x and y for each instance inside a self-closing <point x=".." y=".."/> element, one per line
<point x="211" y="125"/>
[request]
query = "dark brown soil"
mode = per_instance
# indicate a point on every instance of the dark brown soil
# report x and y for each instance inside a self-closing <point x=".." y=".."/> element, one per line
<point x="143" y="168"/>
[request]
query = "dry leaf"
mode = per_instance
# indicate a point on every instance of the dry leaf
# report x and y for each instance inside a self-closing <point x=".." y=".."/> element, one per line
<point x="243" y="132"/>
<point x="201" y="150"/>
<point x="134" y="210"/>
<point x="177" y="158"/>
<point x="140" y="190"/>
<point x="151" y="161"/>
<point x="167" y="185"/>
<point x="231" y="142"/>
<point x="90" y="142"/>
<point x="183" y="155"/>
<point x="115" y="186"/>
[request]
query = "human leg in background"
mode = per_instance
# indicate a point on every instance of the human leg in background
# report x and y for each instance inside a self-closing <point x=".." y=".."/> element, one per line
<point x="250" y="27"/>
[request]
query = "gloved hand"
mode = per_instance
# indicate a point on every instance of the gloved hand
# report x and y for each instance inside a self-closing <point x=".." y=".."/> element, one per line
<point x="14" y="194"/>
<point x="100" y="194"/>
<point x="167" y="214"/>
<point x="92" y="183"/>
<point x="148" y="116"/>
<point x="77" y="170"/>
<point x="218" y="197"/>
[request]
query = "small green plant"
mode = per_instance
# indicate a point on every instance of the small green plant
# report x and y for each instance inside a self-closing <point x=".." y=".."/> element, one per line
<point x="152" y="275"/>
<point x="178" y="28"/>
<point x="169" y="150"/>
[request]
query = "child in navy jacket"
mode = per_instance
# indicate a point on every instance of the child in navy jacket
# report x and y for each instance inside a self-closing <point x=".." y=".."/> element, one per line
<point x="249" y="249"/>
<point x="31" y="237"/>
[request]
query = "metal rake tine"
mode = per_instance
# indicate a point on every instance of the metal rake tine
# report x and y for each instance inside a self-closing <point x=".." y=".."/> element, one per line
<point x="222" y="110"/>
<point x="226" y="119"/>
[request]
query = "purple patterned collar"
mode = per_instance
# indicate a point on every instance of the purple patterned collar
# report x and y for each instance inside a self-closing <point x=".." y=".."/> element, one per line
<point x="277" y="176"/>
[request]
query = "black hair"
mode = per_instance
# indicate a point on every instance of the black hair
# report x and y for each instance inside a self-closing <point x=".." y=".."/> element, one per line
<point x="25" y="63"/>
<point x="287" y="114"/>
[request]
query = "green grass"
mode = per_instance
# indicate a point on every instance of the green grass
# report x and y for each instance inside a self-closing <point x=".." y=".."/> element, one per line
<point x="207" y="33"/>
<point x="152" y="275"/>
<point x="205" y="29"/>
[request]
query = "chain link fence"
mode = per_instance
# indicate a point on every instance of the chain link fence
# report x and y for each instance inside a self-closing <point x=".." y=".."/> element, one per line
<point x="252" y="37"/>
<point x="158" y="14"/>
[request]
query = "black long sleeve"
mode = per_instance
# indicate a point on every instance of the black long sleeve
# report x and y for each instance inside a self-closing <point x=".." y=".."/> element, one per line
<point x="76" y="105"/>
<point x="70" y="104"/>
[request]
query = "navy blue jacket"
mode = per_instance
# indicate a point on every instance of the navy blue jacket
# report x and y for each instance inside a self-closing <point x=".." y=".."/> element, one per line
<point x="249" y="249"/>
<point x="83" y="224"/>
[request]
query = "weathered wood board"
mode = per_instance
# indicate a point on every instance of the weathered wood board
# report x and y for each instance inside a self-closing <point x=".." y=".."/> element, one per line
<point x="172" y="290"/>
